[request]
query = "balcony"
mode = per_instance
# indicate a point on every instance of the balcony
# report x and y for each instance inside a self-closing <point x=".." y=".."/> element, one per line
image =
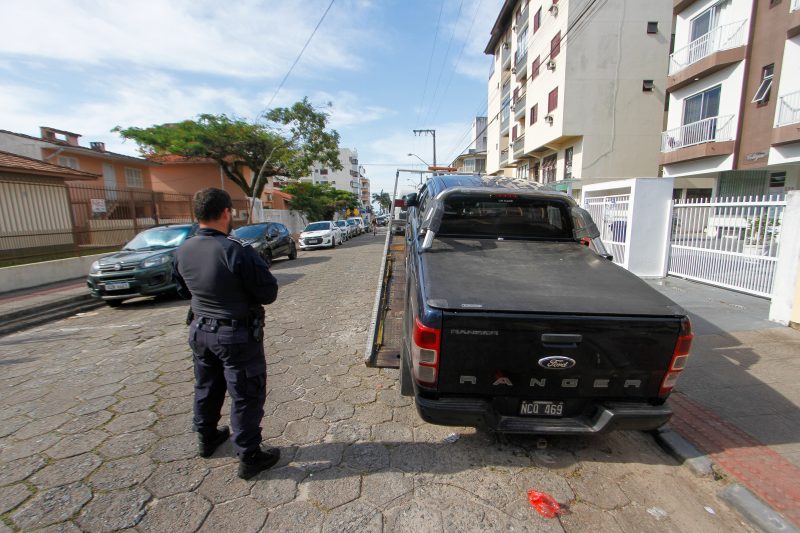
<point x="522" y="18"/>
<point x="504" y="157"/>
<point x="519" y="146"/>
<point x="504" y="120"/>
<point x="722" y="46"/>
<point x="794" y="19"/>
<point x="521" y="64"/>
<point x="505" y="56"/>
<point x="709" y="137"/>
<point x="787" y="122"/>
<point x="519" y="106"/>
<point x="795" y="6"/>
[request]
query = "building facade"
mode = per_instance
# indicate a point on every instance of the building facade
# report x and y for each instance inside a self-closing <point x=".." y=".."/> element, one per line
<point x="60" y="147"/>
<point x="365" y="192"/>
<point x="733" y="124"/>
<point x="347" y="179"/>
<point x="473" y="161"/>
<point x="577" y="88"/>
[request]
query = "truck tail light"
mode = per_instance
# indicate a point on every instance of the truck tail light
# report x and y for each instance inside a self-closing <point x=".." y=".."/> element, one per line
<point x="679" y="357"/>
<point x="425" y="353"/>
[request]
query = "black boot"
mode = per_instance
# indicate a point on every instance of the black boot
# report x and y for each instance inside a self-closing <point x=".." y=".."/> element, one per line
<point x="208" y="442"/>
<point x="252" y="463"/>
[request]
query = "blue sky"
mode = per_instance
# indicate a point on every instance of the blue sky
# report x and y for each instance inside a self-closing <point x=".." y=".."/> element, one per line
<point x="89" y="65"/>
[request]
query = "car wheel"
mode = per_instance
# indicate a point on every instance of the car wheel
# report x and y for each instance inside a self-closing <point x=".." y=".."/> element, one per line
<point x="293" y="252"/>
<point x="113" y="303"/>
<point x="406" y="387"/>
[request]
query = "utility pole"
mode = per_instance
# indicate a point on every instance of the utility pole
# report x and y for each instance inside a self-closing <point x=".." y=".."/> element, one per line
<point x="433" y="134"/>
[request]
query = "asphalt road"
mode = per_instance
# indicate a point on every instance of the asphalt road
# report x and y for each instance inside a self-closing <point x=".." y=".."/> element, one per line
<point x="95" y="434"/>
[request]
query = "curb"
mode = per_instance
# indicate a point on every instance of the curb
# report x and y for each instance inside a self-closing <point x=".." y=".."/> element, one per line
<point x="46" y="312"/>
<point x="755" y="511"/>
<point x="684" y="451"/>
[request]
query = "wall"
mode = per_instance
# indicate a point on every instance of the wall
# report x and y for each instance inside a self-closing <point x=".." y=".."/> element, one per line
<point x="37" y="209"/>
<point x="36" y="274"/>
<point x="188" y="178"/>
<point x="21" y="145"/>
<point x="90" y="162"/>
<point x="607" y="60"/>
<point x="784" y="294"/>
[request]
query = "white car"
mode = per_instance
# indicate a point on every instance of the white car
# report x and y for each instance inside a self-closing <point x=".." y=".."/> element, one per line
<point x="354" y="226"/>
<point x="346" y="231"/>
<point x="324" y="234"/>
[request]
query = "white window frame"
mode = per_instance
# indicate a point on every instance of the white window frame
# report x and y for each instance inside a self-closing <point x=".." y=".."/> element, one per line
<point x="134" y="178"/>
<point x="762" y="94"/>
<point x="69" y="162"/>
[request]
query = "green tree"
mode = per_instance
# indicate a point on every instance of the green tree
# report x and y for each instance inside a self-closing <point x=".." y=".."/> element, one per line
<point x="319" y="201"/>
<point x="384" y="200"/>
<point x="286" y="144"/>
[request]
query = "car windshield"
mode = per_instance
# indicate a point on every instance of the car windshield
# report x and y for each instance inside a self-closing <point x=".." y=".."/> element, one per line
<point x="341" y="223"/>
<point x="505" y="215"/>
<point x="254" y="231"/>
<point x="318" y="226"/>
<point x="352" y="223"/>
<point x="156" y="238"/>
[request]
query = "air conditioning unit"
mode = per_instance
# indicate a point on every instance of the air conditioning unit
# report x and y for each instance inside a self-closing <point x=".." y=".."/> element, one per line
<point x="551" y="65"/>
<point x="514" y="28"/>
<point x="513" y="70"/>
<point x="553" y="10"/>
<point x="549" y="119"/>
<point x="506" y="45"/>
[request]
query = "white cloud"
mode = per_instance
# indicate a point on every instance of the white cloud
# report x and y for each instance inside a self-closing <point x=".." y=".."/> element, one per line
<point x="348" y="109"/>
<point x="245" y="39"/>
<point x="474" y="63"/>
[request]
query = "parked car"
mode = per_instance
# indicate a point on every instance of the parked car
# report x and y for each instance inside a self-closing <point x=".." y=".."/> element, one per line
<point x="399" y="222"/>
<point x="322" y="234"/>
<point x="142" y="268"/>
<point x="517" y="321"/>
<point x="347" y="232"/>
<point x="352" y="223"/>
<point x="270" y="239"/>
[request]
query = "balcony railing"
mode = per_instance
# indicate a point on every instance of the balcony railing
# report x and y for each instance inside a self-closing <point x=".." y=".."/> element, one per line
<point x="504" y="156"/>
<point x="522" y="18"/>
<point x="505" y="56"/>
<point x="504" y="120"/>
<point x="720" y="38"/>
<point x="789" y="107"/>
<point x="712" y="129"/>
<point x="519" y="106"/>
<point x="795" y="6"/>
<point x="519" y="146"/>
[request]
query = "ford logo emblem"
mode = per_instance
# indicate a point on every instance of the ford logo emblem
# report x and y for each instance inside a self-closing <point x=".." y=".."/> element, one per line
<point x="556" y="362"/>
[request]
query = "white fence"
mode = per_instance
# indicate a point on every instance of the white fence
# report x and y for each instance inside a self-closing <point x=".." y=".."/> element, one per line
<point x="720" y="38"/>
<point x="707" y="130"/>
<point x="728" y="242"/>
<point x="610" y="213"/>
<point x="788" y="108"/>
<point x="294" y="221"/>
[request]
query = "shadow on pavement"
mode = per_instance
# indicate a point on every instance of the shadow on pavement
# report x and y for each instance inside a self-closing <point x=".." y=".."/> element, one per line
<point x="302" y="260"/>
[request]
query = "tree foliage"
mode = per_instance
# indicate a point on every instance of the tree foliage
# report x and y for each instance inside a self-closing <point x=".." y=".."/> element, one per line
<point x="287" y="144"/>
<point x="319" y="201"/>
<point x="384" y="200"/>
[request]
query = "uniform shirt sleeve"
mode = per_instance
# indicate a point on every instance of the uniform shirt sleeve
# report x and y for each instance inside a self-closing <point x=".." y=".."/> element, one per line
<point x="256" y="277"/>
<point x="183" y="290"/>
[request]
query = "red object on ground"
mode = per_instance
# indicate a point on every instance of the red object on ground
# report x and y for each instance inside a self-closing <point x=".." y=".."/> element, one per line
<point x="545" y="505"/>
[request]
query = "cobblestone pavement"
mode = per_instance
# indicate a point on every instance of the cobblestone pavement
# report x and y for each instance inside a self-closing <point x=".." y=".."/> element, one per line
<point x="95" y="435"/>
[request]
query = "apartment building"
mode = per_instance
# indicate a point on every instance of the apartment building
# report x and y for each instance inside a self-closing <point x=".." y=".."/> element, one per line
<point x="347" y="179"/>
<point x="733" y="125"/>
<point x="60" y="147"/>
<point x="365" y="192"/>
<point x="577" y="90"/>
<point x="473" y="160"/>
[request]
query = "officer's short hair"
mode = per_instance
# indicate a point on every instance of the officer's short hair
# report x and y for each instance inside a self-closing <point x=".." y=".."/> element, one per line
<point x="210" y="203"/>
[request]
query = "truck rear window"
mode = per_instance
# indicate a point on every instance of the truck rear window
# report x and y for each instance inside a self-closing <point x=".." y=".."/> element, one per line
<point x="507" y="216"/>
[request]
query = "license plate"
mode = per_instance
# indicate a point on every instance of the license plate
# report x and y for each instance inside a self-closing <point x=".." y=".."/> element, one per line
<point x="539" y="408"/>
<point x="118" y="286"/>
<point x="314" y="241"/>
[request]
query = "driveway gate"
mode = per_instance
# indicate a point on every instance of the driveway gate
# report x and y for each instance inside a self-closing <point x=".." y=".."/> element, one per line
<point x="728" y="242"/>
<point x="610" y="213"/>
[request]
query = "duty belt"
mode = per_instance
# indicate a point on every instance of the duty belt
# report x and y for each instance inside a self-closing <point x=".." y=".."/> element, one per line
<point x="233" y="323"/>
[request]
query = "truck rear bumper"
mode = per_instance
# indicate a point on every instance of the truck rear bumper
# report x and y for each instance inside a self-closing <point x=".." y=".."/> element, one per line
<point x="607" y="416"/>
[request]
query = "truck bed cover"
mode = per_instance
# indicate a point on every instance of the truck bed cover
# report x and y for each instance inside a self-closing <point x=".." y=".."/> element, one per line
<point x="535" y="277"/>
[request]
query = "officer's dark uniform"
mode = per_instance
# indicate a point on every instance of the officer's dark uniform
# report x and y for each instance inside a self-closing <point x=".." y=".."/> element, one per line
<point x="228" y="283"/>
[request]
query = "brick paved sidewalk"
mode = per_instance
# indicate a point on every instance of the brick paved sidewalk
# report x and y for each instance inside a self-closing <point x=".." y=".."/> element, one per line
<point x="18" y="300"/>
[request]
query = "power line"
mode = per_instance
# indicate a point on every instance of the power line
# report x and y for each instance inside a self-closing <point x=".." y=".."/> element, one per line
<point x="444" y="62"/>
<point x="297" y="59"/>
<point x="430" y="62"/>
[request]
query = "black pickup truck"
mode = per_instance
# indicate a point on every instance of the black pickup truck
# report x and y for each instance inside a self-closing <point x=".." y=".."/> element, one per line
<point x="517" y="320"/>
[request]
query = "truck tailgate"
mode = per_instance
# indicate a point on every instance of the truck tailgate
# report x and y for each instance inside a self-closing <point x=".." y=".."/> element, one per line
<point x="504" y="354"/>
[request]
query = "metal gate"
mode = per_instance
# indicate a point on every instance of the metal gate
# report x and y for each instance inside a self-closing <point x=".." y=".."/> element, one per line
<point x="610" y="213"/>
<point x="728" y="242"/>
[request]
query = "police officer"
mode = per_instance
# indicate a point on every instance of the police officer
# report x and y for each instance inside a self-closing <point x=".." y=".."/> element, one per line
<point x="228" y="284"/>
